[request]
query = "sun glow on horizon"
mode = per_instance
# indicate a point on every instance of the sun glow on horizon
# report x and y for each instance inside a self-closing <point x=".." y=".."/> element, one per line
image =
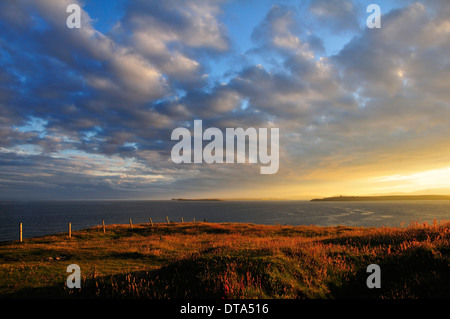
<point x="435" y="178"/>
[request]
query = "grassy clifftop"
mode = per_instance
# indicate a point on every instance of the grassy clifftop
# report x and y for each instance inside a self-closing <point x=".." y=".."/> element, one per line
<point x="207" y="260"/>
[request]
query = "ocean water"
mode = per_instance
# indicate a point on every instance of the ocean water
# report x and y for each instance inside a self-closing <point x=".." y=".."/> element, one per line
<point x="41" y="218"/>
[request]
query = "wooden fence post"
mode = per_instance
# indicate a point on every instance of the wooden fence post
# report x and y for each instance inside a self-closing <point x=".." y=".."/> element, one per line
<point x="103" y="224"/>
<point x="131" y="223"/>
<point x="167" y="218"/>
<point x="182" y="220"/>
<point x="20" y="232"/>
<point x="70" y="229"/>
<point x="151" y="222"/>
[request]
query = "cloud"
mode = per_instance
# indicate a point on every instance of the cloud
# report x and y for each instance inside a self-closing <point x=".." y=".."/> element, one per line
<point x="336" y="15"/>
<point x="193" y="23"/>
<point x="91" y="114"/>
<point x="174" y="35"/>
<point x="279" y="30"/>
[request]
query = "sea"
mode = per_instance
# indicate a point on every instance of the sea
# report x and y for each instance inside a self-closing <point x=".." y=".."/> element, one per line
<point x="40" y="218"/>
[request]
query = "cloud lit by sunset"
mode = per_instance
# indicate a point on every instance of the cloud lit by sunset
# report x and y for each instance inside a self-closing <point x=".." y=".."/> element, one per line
<point x="88" y="112"/>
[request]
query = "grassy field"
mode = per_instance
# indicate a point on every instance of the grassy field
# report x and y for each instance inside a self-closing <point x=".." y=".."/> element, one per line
<point x="208" y="260"/>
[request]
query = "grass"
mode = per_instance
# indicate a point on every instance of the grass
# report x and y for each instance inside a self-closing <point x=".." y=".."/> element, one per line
<point x="227" y="260"/>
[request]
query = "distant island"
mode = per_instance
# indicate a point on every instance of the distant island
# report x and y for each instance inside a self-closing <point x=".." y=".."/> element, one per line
<point x="200" y="199"/>
<point x="381" y="198"/>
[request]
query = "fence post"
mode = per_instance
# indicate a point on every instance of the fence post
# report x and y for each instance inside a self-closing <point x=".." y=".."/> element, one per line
<point x="151" y="222"/>
<point x="20" y="232"/>
<point x="167" y="218"/>
<point x="194" y="220"/>
<point x="131" y="223"/>
<point x="182" y="220"/>
<point x="103" y="224"/>
<point x="70" y="229"/>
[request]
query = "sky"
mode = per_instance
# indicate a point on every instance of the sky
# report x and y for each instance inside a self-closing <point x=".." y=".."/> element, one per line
<point x="88" y="113"/>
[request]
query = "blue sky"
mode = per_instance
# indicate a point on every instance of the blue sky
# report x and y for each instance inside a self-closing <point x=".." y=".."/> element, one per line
<point x="105" y="13"/>
<point x="88" y="113"/>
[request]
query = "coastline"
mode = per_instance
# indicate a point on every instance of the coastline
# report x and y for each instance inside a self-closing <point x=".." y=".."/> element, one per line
<point x="380" y="198"/>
